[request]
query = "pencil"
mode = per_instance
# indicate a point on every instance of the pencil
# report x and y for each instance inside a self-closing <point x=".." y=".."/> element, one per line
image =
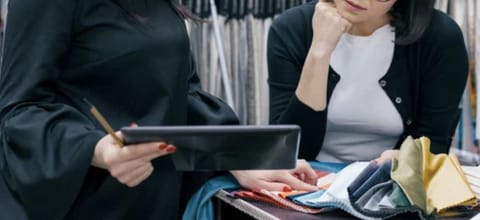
<point x="104" y="123"/>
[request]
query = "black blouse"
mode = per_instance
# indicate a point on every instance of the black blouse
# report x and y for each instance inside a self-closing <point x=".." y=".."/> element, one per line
<point x="425" y="81"/>
<point x="134" y="65"/>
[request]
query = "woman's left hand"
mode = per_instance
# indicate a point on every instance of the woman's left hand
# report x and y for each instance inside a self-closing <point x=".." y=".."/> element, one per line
<point x="387" y="155"/>
<point x="303" y="177"/>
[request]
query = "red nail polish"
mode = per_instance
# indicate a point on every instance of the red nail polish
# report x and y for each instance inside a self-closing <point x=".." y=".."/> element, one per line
<point x="287" y="189"/>
<point x="162" y="146"/>
<point x="171" y="149"/>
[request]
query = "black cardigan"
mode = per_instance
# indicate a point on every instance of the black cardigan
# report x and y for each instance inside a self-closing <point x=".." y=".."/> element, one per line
<point x="425" y="81"/>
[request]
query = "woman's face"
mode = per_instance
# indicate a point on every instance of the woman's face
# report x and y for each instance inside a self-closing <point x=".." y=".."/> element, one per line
<point x="364" y="11"/>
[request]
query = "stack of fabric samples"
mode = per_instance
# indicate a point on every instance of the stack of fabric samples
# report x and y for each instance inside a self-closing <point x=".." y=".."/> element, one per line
<point x="417" y="182"/>
<point x="288" y="199"/>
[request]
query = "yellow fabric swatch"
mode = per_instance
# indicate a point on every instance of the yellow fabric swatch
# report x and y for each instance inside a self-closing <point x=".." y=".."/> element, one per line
<point x="433" y="182"/>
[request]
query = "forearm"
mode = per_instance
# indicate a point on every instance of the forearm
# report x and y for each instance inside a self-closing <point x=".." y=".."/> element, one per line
<point x="312" y="86"/>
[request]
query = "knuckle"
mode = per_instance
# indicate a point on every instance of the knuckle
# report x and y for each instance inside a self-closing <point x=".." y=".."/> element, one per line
<point x="115" y="173"/>
<point x="321" y="7"/>
<point x="110" y="160"/>
<point x="122" y="180"/>
<point x="150" y="167"/>
<point x="131" y="184"/>
<point x="338" y="20"/>
<point x="247" y="183"/>
<point x="149" y="171"/>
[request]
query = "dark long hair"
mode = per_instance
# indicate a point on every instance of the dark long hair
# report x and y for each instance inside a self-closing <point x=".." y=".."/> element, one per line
<point x="410" y="19"/>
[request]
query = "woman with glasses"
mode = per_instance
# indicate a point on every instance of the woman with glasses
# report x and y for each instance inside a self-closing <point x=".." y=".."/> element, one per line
<point x="360" y="75"/>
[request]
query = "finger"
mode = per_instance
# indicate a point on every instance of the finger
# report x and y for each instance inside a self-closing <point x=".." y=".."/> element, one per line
<point x="305" y="168"/>
<point x="301" y="176"/>
<point x="296" y="184"/>
<point x="170" y="149"/>
<point x="126" y="176"/>
<point x="347" y="26"/>
<point x="136" y="176"/>
<point x="272" y="186"/>
<point x="132" y="152"/>
<point x="333" y="15"/>
<point x="125" y="167"/>
<point x="141" y="178"/>
<point x="323" y="2"/>
<point x="120" y="163"/>
<point x="324" y="8"/>
<point x="379" y="160"/>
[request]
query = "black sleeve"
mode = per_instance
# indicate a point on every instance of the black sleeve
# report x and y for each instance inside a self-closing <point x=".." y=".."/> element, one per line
<point x="46" y="147"/>
<point x="443" y="83"/>
<point x="204" y="108"/>
<point x="288" y="46"/>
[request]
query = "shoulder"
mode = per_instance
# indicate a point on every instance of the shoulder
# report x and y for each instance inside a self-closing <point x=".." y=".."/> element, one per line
<point x="297" y="18"/>
<point x="442" y="30"/>
<point x="33" y="8"/>
<point x="293" y="29"/>
<point x="42" y="17"/>
<point x="442" y="50"/>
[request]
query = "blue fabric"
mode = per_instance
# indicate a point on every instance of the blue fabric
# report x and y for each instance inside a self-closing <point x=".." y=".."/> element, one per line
<point x="304" y="198"/>
<point x="327" y="166"/>
<point x="200" y="205"/>
<point x="361" y="178"/>
<point x="374" y="174"/>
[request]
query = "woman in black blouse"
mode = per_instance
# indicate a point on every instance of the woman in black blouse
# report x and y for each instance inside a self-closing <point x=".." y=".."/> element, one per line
<point x="132" y="59"/>
<point x="360" y="75"/>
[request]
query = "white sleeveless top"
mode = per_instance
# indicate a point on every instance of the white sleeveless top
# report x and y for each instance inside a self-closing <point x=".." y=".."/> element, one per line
<point x="362" y="121"/>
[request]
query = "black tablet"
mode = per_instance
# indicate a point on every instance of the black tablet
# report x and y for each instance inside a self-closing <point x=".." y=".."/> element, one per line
<point x="216" y="148"/>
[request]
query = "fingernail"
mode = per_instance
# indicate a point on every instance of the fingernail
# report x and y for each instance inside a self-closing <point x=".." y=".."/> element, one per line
<point x="133" y="124"/>
<point x="162" y="146"/>
<point x="287" y="189"/>
<point x="171" y="149"/>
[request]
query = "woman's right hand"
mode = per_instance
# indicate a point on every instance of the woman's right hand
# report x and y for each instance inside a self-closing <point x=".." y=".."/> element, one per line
<point x="328" y="25"/>
<point x="130" y="164"/>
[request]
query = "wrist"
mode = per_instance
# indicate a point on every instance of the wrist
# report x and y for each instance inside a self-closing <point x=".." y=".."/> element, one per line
<point x="97" y="155"/>
<point x="320" y="51"/>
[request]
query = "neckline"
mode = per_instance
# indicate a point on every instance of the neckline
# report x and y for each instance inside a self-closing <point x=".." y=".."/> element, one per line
<point x="385" y="31"/>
